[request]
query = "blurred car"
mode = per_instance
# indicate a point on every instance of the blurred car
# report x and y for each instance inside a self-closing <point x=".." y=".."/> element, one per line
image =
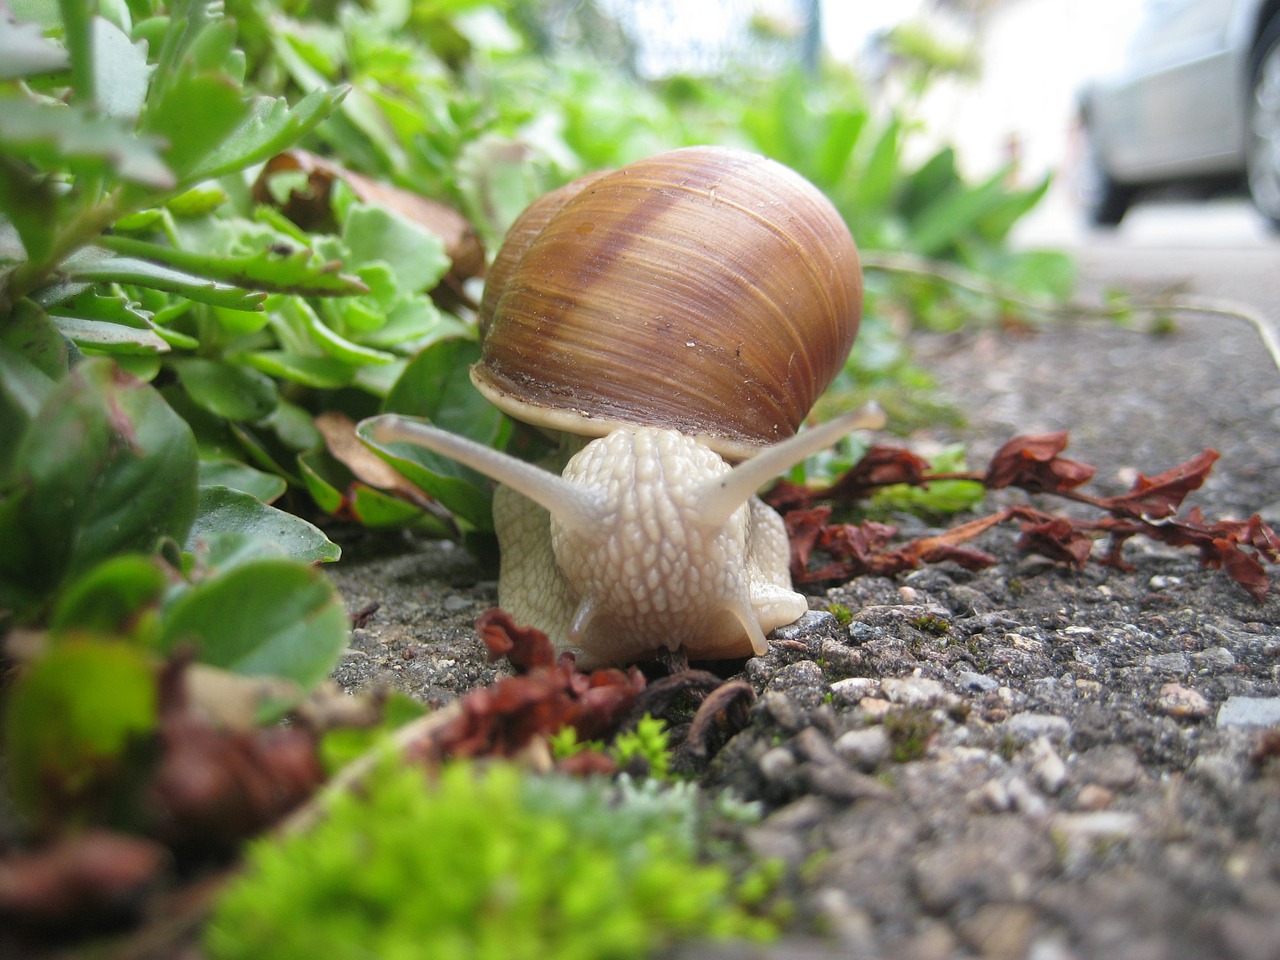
<point x="1195" y="101"/>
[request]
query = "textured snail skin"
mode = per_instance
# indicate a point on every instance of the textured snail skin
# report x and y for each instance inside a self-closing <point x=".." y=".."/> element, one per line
<point x="649" y="541"/>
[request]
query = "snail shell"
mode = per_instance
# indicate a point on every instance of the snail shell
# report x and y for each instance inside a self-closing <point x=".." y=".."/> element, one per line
<point x="706" y="290"/>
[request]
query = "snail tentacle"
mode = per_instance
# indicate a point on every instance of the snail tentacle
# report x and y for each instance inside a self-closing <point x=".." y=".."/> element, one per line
<point x="572" y="504"/>
<point x="721" y="496"/>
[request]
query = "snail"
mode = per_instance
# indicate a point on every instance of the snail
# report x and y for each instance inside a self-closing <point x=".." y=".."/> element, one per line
<point x="684" y="311"/>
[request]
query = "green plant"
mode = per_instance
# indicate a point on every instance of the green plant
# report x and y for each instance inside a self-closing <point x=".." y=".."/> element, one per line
<point x="645" y="746"/>
<point x="482" y="864"/>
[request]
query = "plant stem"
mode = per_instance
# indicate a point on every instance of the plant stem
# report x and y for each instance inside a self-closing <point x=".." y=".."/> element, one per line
<point x="80" y="231"/>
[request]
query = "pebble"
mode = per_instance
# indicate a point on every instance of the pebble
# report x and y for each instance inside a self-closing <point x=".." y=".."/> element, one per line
<point x="874" y="708"/>
<point x="994" y="862"/>
<point x="1215" y="659"/>
<point x="838" y="782"/>
<point x="1181" y="702"/>
<point x="1025" y="799"/>
<point x="802" y="682"/>
<point x="977" y="682"/>
<point x="784" y="711"/>
<point x="1045" y="766"/>
<point x="1249" y="712"/>
<point x="866" y="749"/>
<point x="1094" y="796"/>
<point x="1167" y="663"/>
<point x="1111" y="766"/>
<point x="914" y="691"/>
<point x="777" y="764"/>
<point x="999" y="931"/>
<point x="802" y="629"/>
<point x="1029" y="726"/>
<point x="853" y="689"/>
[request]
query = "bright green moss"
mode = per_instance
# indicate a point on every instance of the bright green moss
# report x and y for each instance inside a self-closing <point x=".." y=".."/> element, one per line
<point x="483" y="865"/>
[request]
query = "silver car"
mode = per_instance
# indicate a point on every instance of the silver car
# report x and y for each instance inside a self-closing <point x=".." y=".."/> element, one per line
<point x="1196" y="100"/>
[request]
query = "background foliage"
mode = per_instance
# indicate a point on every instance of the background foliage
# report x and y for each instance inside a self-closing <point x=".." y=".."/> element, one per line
<point x="192" y="316"/>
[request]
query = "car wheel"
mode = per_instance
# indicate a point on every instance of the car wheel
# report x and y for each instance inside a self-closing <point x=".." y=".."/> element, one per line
<point x="1105" y="200"/>
<point x="1263" y="157"/>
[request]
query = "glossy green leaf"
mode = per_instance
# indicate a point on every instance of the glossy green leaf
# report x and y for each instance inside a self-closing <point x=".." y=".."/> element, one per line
<point x="226" y="389"/>
<point x="69" y="720"/>
<point x="337" y="491"/>
<point x="436" y="385"/>
<point x="219" y="552"/>
<point x="263" y="618"/>
<point x="263" y="486"/>
<point x="322" y="373"/>
<point x="462" y="491"/>
<point x="118" y="597"/>
<point x="105" y="467"/>
<point x="26" y="379"/>
<point x="224" y="510"/>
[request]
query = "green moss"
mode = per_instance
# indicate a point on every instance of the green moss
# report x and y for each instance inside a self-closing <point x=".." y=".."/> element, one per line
<point x="648" y="743"/>
<point x="931" y="624"/>
<point x="484" y="865"/>
<point x="910" y="731"/>
<point x="843" y="615"/>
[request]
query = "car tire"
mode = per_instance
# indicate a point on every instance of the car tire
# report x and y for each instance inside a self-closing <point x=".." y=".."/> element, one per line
<point x="1263" y="150"/>
<point x="1105" y="200"/>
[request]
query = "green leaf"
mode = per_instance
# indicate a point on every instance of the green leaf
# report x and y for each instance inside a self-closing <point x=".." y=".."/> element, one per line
<point x="950" y="217"/>
<point x="29" y="208"/>
<point x="263" y="486"/>
<point x="322" y="373"/>
<point x="106" y="467"/>
<point x="416" y="255"/>
<point x="119" y="597"/>
<point x="289" y="270"/>
<point x="32" y="357"/>
<point x="879" y="175"/>
<point x="51" y="133"/>
<point x="337" y="491"/>
<point x="121" y="73"/>
<point x="223" y="510"/>
<point x="69" y="721"/>
<point x="100" y="336"/>
<point x="96" y="264"/>
<point x="199" y="86"/>
<point x="263" y="618"/>
<point x="463" y="492"/>
<point x="95" y="304"/>
<point x="24" y="51"/>
<point x="227" y="389"/>
<point x="271" y="126"/>
<point x="436" y="385"/>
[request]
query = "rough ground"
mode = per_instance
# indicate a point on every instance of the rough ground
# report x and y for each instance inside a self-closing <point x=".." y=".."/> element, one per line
<point x="1026" y="762"/>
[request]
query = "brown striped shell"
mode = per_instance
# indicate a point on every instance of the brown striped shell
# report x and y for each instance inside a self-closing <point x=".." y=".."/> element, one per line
<point x="708" y="290"/>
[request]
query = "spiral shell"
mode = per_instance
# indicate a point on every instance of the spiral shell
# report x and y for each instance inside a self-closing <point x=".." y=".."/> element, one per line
<point x="708" y="290"/>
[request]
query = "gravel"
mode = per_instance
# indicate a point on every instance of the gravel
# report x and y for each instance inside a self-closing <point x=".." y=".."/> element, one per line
<point x="1023" y="762"/>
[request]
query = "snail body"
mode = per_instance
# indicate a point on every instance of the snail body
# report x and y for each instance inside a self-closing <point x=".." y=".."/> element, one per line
<point x="685" y="311"/>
